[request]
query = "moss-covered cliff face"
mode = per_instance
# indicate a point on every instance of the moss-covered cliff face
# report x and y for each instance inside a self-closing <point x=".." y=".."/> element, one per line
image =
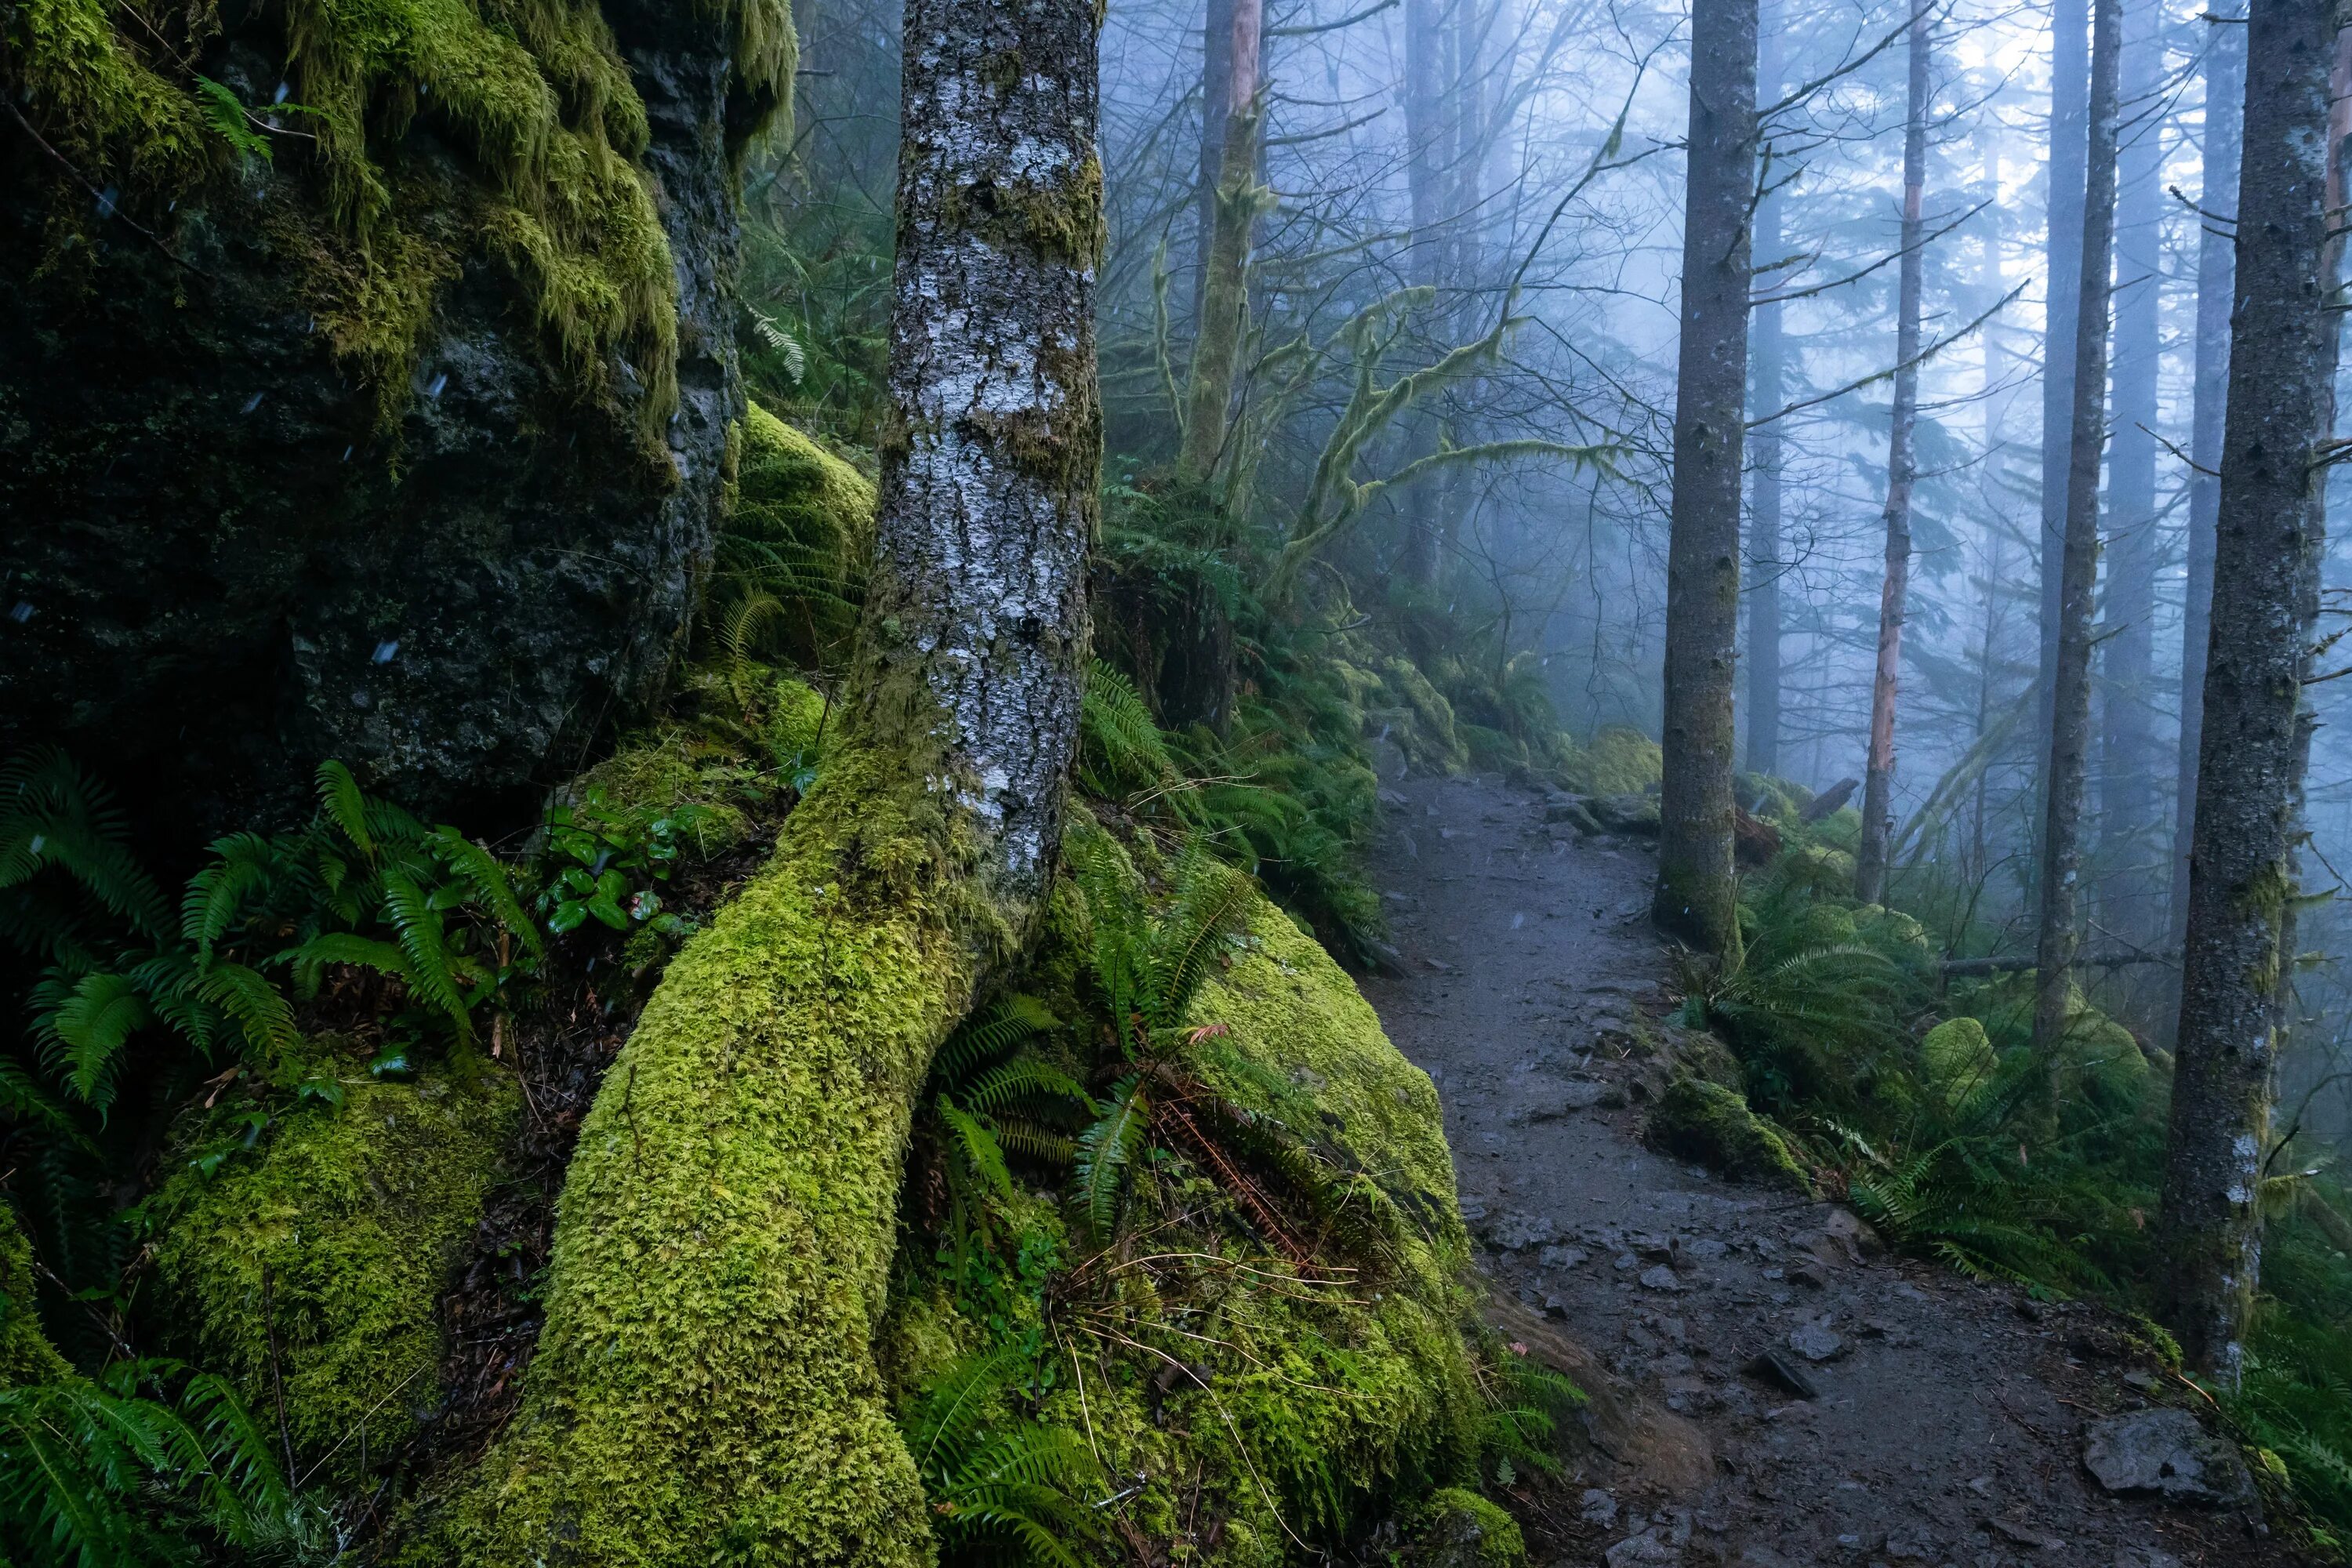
<point x="406" y="444"/>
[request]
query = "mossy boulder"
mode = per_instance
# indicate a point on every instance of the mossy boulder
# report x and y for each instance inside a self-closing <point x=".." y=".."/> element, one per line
<point x="315" y="1264"/>
<point x="1621" y="760"/>
<point x="1712" y="1125"/>
<point x="1458" y="1529"/>
<point x="405" y="444"/>
<point x="1958" y="1060"/>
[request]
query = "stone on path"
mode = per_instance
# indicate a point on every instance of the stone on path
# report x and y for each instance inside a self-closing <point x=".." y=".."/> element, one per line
<point x="2168" y="1453"/>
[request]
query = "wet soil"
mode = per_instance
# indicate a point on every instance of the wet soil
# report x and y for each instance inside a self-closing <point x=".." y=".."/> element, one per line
<point x="1947" y="1417"/>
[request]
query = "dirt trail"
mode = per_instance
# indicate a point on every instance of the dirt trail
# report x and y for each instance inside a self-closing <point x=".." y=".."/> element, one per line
<point x="1948" y="1420"/>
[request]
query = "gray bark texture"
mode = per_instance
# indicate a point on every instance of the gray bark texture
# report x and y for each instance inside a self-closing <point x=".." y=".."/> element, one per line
<point x="1696" y="894"/>
<point x="2271" y="530"/>
<point x="1901" y="474"/>
<point x="990" y="472"/>
<point x="2070" y="721"/>
<point x="1428" y="165"/>
<point x="2225" y="104"/>
<point x="1224" y="297"/>
<point x="1767" y="391"/>
<point x="2069" y="133"/>
<point x="2130" y="759"/>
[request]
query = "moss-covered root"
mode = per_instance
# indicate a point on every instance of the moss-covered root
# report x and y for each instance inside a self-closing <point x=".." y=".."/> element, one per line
<point x="1695" y="1119"/>
<point x="311" y="1273"/>
<point x="1459" y="1529"/>
<point x="705" y="1390"/>
<point x="26" y="1353"/>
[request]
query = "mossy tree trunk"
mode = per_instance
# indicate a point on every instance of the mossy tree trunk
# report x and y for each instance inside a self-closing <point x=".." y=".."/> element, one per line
<point x="2070" y="720"/>
<point x="2268" y="545"/>
<point x="1697" y="896"/>
<point x="1225" y="277"/>
<point x="705" y="1390"/>
<point x="2070" y="74"/>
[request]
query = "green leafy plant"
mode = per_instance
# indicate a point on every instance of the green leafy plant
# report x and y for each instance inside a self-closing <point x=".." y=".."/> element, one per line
<point x="141" y="1465"/>
<point x="1002" y="1486"/>
<point x="607" y="860"/>
<point x="1519" y="1428"/>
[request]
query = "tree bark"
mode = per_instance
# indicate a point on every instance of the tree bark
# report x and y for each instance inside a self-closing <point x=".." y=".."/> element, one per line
<point x="2070" y="725"/>
<point x="1224" y="289"/>
<point x="1216" y="105"/>
<point x="1769" y="392"/>
<point x="704" y="1388"/>
<point x="1428" y="144"/>
<point x="2130" y="758"/>
<point x="2069" y="131"/>
<point x="2269" y="538"/>
<point x="2225" y="103"/>
<point x="1697" y="893"/>
<point x="1902" y="473"/>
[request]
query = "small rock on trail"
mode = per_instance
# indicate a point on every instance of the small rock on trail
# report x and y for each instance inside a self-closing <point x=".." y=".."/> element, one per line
<point x="1936" y="1424"/>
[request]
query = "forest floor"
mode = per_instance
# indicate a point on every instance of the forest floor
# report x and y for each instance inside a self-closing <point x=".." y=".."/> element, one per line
<point x="1948" y="1422"/>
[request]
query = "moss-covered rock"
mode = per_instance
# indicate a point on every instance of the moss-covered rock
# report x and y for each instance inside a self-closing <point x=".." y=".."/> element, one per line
<point x="313" y="1266"/>
<point x="1459" y="1529"/>
<point x="1705" y="1123"/>
<point x="1620" y="760"/>
<point x="427" y="412"/>
<point x="26" y="1353"/>
<point x="1958" y="1060"/>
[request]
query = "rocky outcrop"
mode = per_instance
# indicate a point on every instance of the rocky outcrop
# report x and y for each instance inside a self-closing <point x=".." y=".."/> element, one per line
<point x="433" y="493"/>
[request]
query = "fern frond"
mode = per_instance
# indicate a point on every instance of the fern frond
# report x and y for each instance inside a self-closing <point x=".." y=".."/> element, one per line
<point x="345" y="806"/>
<point x="1025" y="1078"/>
<point x="481" y="872"/>
<point x="418" y="924"/>
<point x="978" y="1146"/>
<point x="84" y="1029"/>
<point x="51" y="813"/>
<point x="940" y="1434"/>
<point x="1106" y="1151"/>
<point x="1009" y="1021"/>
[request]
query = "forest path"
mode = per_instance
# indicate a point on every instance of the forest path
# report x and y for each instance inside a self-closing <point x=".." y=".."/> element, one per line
<point x="1947" y="1426"/>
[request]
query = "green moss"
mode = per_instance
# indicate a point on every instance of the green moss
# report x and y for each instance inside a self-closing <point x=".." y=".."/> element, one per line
<point x="793" y="494"/>
<point x="1459" y="1529"/>
<point x="335" y="1242"/>
<point x="1417" y="717"/>
<point x="1620" y="760"/>
<point x="1294" y="1014"/>
<point x="705" y="1388"/>
<point x="26" y="1353"/>
<point x="1959" y="1060"/>
<point x="1694" y="1119"/>
<point x="533" y="91"/>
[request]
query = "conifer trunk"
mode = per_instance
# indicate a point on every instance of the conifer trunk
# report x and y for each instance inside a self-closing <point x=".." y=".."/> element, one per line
<point x="2269" y="539"/>
<point x="2069" y="133"/>
<point x="1225" y="288"/>
<point x="2070" y="724"/>
<point x="1697" y="893"/>
<point x="1902" y="472"/>
<point x="2130" y="759"/>
<point x="2225" y="103"/>
<point x="704" y="1389"/>
<point x="1768" y="392"/>
<point x="1425" y="167"/>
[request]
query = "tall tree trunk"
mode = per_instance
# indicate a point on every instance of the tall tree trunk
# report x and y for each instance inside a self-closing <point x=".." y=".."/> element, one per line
<point x="2069" y="131"/>
<point x="2070" y="724"/>
<point x="1224" y="289"/>
<point x="2225" y="104"/>
<point x="2130" y="758"/>
<point x="1216" y="103"/>
<point x="1696" y="894"/>
<point x="2271" y="527"/>
<point x="704" y="1388"/>
<point x="1428" y="150"/>
<point x="1769" y="392"/>
<point x="1995" y="567"/>
<point x="1902" y="472"/>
